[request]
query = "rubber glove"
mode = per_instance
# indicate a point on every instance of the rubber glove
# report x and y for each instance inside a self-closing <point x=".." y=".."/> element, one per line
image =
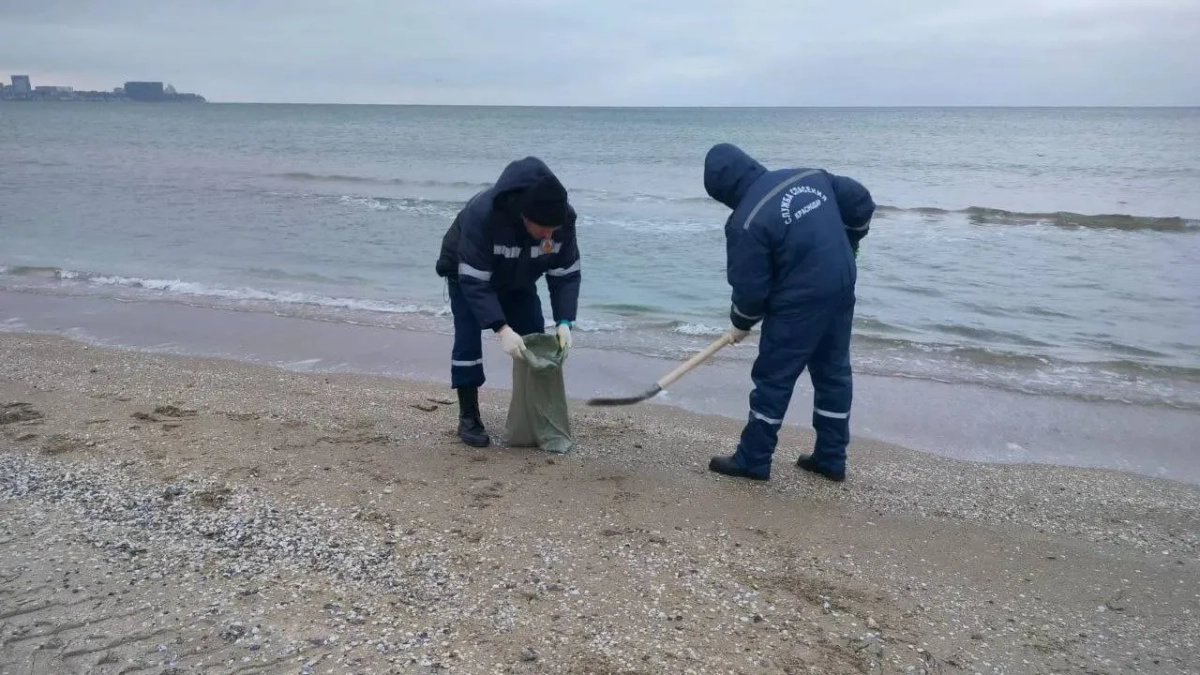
<point x="564" y="335"/>
<point x="512" y="343"/>
<point x="737" y="335"/>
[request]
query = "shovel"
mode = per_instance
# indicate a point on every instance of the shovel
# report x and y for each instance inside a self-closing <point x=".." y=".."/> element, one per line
<point x="670" y="377"/>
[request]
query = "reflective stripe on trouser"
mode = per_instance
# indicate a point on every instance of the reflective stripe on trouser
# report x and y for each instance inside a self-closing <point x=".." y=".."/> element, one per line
<point x="816" y="337"/>
<point x="833" y="388"/>
<point x="523" y="312"/>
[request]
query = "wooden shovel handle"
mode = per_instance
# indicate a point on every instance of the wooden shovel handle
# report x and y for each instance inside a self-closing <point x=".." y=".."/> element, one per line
<point x="696" y="360"/>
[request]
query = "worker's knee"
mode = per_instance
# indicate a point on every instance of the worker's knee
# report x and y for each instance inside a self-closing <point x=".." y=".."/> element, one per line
<point x="831" y="379"/>
<point x="771" y="396"/>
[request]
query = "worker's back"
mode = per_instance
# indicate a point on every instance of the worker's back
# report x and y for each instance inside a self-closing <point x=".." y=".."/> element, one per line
<point x="797" y="214"/>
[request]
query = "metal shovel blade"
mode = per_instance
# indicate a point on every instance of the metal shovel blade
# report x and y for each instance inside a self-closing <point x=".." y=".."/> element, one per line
<point x="628" y="400"/>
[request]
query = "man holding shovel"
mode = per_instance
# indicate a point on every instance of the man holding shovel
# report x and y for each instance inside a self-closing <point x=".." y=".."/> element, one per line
<point x="791" y="244"/>
<point x="501" y="243"/>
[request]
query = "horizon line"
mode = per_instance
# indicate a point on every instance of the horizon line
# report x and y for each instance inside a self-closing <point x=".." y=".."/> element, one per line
<point x="709" y="107"/>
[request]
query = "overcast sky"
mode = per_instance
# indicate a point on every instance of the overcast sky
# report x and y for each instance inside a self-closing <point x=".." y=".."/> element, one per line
<point x="620" y="52"/>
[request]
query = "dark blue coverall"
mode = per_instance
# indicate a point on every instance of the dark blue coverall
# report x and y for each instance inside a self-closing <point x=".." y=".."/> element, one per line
<point x="791" y="243"/>
<point x="492" y="265"/>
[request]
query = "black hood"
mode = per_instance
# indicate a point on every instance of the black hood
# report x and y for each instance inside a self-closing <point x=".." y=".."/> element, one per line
<point x="517" y="177"/>
<point x="729" y="172"/>
<point x="522" y="174"/>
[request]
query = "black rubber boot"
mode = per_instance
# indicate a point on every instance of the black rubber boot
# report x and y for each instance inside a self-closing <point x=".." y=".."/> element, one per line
<point x="470" y="427"/>
<point x="728" y="467"/>
<point x="807" y="463"/>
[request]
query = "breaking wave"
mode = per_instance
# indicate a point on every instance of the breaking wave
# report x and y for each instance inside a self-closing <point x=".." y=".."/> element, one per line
<point x="263" y="299"/>
<point x="447" y="210"/>
<point x="304" y="176"/>
<point x="425" y="207"/>
<point x="438" y="208"/>
<point x="979" y="215"/>
<point x="698" y="329"/>
<point x="602" y="195"/>
<point x="33" y="271"/>
<point x="194" y="289"/>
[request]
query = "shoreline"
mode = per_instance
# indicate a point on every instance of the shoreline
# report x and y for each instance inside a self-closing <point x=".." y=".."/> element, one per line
<point x="879" y="348"/>
<point x="312" y="522"/>
<point x="960" y="421"/>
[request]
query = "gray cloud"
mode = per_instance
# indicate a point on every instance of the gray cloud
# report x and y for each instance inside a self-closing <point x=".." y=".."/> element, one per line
<point x="621" y="52"/>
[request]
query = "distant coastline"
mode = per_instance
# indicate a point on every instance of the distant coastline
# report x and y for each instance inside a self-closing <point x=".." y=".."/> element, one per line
<point x="21" y="89"/>
<point x="101" y="97"/>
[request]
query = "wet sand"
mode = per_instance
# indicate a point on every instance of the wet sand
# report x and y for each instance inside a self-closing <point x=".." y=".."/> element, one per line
<point x="178" y="514"/>
<point x="953" y="420"/>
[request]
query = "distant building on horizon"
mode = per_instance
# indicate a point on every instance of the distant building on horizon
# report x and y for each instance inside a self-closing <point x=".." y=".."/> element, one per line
<point x="20" y="85"/>
<point x="145" y="91"/>
<point x="155" y="91"/>
<point x="151" y="92"/>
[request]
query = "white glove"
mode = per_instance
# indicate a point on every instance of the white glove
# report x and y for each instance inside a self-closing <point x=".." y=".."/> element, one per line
<point x="564" y="336"/>
<point x="512" y="343"/>
<point x="736" y="335"/>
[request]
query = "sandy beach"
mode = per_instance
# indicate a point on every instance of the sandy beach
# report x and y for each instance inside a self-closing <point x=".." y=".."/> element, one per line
<point x="168" y="514"/>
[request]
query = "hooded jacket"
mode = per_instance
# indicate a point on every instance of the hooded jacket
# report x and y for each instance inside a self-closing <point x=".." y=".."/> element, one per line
<point x="792" y="236"/>
<point x="487" y="249"/>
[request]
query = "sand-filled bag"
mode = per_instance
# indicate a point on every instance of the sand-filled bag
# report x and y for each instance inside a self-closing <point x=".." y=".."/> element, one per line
<point x="538" y="414"/>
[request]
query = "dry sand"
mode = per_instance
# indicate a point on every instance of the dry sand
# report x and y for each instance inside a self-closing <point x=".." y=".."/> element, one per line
<point x="163" y="514"/>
